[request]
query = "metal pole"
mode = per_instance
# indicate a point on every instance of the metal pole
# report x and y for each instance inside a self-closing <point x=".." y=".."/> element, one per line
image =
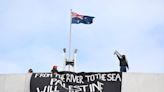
<point x="70" y="35"/>
<point x="74" y="60"/>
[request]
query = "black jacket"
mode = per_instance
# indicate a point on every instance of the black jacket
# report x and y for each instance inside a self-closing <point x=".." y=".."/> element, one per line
<point x="54" y="71"/>
<point x="123" y="61"/>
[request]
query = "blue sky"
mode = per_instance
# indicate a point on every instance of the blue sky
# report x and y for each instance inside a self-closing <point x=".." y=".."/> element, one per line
<point x="33" y="34"/>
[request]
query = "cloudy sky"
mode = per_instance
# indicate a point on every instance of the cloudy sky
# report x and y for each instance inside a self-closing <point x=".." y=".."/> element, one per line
<point x="33" y="34"/>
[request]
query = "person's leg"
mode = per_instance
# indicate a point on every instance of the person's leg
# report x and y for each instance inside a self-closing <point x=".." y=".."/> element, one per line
<point x="122" y="68"/>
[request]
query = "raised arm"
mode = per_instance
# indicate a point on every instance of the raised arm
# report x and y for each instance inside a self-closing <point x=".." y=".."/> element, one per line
<point x="118" y="54"/>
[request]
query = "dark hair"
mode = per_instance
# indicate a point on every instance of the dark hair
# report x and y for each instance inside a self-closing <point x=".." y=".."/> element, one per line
<point x="30" y="71"/>
<point x="123" y="56"/>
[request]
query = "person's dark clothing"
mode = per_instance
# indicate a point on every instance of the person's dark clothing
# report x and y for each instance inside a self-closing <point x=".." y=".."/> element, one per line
<point x="54" y="72"/>
<point x="123" y="63"/>
<point x="123" y="68"/>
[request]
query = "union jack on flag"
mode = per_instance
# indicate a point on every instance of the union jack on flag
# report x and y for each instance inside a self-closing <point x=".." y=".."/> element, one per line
<point x="77" y="18"/>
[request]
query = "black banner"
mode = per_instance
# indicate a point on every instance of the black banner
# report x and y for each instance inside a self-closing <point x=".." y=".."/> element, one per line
<point x="76" y="82"/>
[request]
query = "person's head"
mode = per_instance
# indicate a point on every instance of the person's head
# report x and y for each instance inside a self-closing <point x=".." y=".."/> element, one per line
<point x="30" y="71"/>
<point x="123" y="56"/>
<point x="55" y="67"/>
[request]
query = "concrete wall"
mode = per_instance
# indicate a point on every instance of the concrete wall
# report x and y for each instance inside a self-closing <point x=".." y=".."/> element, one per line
<point x="131" y="82"/>
<point x="15" y="83"/>
<point x="141" y="82"/>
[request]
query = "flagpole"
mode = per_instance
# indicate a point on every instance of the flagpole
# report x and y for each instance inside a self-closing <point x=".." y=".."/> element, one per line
<point x="70" y="34"/>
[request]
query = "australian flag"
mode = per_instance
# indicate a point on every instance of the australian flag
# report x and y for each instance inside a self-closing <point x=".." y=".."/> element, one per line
<point x="77" y="19"/>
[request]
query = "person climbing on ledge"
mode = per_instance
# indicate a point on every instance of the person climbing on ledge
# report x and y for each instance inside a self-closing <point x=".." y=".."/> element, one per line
<point x="54" y="71"/>
<point x="123" y="61"/>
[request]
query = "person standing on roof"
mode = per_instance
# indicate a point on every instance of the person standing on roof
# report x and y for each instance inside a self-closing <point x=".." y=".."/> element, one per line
<point x="54" y="71"/>
<point x="123" y="62"/>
